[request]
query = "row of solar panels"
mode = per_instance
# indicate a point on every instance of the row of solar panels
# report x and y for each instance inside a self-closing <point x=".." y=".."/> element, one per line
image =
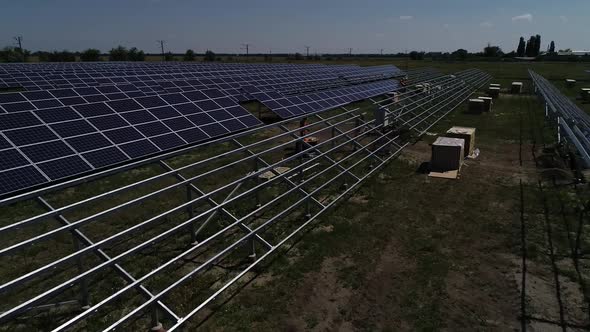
<point x="60" y="80"/>
<point x="49" y="135"/>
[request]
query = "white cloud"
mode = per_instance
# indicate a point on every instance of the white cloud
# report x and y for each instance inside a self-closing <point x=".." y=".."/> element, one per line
<point x="486" y="24"/>
<point x="523" y="17"/>
<point x="406" y="17"/>
<point x="564" y="19"/>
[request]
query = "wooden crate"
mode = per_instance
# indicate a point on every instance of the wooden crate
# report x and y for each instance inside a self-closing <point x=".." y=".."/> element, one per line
<point x="465" y="133"/>
<point x="447" y="154"/>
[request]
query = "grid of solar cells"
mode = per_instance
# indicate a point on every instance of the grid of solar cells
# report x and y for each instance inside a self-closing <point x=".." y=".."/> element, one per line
<point x="147" y="80"/>
<point x="290" y="106"/>
<point x="45" y="145"/>
<point x="59" y="99"/>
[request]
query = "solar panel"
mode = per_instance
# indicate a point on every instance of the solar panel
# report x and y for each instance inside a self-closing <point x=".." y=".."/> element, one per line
<point x="82" y="117"/>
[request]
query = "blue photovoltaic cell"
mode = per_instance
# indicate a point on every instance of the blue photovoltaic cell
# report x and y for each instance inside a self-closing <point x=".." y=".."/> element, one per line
<point x="195" y="95"/>
<point x="225" y="102"/>
<point x="86" y="91"/>
<point x="137" y="117"/>
<point x="108" y="89"/>
<point x="105" y="157"/>
<point x="4" y="144"/>
<point x="175" y="98"/>
<point x="233" y="125"/>
<point x="59" y="114"/>
<point x="188" y="108"/>
<point x="108" y="122"/>
<point x="37" y="95"/>
<point x="214" y="129"/>
<point x="168" y="141"/>
<point x="30" y="135"/>
<point x="220" y="115"/>
<point x="116" y="96"/>
<point x="178" y="123"/>
<point x="250" y="121"/>
<point x="123" y="135"/>
<point x="20" y="178"/>
<point x="89" y="110"/>
<point x="207" y="105"/>
<point x="193" y="135"/>
<point x="63" y="93"/>
<point x="164" y="112"/>
<point x="200" y="119"/>
<point x="72" y="101"/>
<point x="88" y="142"/>
<point x="72" y="128"/>
<point x="95" y="98"/>
<point x="213" y="93"/>
<point x="46" y="151"/>
<point x="11" y="121"/>
<point x="139" y="148"/>
<point x="152" y="129"/>
<point x="40" y="104"/>
<point x="19" y="107"/>
<point x="237" y="111"/>
<point x="61" y="168"/>
<point x="11" y="98"/>
<point x="153" y="101"/>
<point x="124" y="105"/>
<point x="11" y="158"/>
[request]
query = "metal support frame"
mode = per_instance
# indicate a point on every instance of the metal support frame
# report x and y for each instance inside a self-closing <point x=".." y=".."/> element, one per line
<point x="350" y="155"/>
<point x="573" y="123"/>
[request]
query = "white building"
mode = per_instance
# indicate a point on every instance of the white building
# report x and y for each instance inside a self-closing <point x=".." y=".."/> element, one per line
<point x="578" y="53"/>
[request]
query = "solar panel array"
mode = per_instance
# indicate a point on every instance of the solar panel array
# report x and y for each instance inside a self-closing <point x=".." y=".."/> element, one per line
<point x="75" y="118"/>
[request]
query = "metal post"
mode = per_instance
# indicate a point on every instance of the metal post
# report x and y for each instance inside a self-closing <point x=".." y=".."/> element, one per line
<point x="84" y="299"/>
<point x="190" y="212"/>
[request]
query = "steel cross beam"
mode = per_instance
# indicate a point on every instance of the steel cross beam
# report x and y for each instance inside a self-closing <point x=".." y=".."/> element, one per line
<point x="216" y="205"/>
<point x="105" y="257"/>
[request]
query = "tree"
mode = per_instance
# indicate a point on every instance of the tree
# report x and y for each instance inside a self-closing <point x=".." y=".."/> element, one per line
<point x="189" y="55"/>
<point x="521" y="50"/>
<point x="209" y="56"/>
<point x="460" y="54"/>
<point x="552" y="48"/>
<point x="11" y="54"/>
<point x="169" y="56"/>
<point x="530" y="45"/>
<point x="90" y="54"/>
<point x="119" y="54"/>
<point x="537" y="45"/>
<point x="135" y="55"/>
<point x="298" y="56"/>
<point x="492" y="51"/>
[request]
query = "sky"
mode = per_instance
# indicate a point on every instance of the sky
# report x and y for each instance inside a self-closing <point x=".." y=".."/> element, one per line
<point x="326" y="26"/>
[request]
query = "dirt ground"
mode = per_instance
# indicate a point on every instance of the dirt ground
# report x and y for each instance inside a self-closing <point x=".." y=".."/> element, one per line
<point x="408" y="252"/>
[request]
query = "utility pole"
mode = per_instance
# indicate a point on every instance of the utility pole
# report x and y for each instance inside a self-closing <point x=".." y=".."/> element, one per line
<point x="307" y="51"/>
<point x="19" y="40"/>
<point x="162" y="48"/>
<point x="350" y="51"/>
<point x="381" y="52"/>
<point x="247" y="48"/>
